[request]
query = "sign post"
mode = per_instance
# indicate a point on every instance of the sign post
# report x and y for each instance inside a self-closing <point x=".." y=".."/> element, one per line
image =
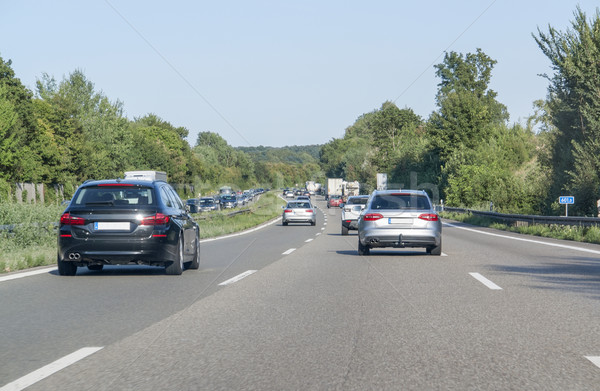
<point x="566" y="200"/>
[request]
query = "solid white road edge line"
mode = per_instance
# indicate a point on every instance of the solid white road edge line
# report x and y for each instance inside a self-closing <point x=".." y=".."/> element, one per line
<point x="49" y="369"/>
<point x="485" y="281"/>
<point x="291" y="250"/>
<point x="585" y="250"/>
<point x="594" y="359"/>
<point x="308" y="240"/>
<point x="238" y="277"/>
<point x="28" y="274"/>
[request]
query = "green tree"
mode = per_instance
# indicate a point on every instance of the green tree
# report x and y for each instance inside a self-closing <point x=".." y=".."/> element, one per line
<point x="467" y="108"/>
<point x="18" y="160"/>
<point x="573" y="104"/>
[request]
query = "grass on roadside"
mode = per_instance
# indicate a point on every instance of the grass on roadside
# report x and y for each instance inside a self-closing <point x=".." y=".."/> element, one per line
<point x="565" y="232"/>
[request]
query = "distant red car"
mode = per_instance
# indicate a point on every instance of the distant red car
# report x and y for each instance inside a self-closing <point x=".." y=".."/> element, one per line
<point x="335" y="201"/>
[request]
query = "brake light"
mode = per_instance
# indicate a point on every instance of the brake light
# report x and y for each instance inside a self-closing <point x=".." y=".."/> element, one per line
<point x="67" y="219"/>
<point x="429" y="217"/>
<point x="372" y="216"/>
<point x="287" y="211"/>
<point x="309" y="210"/>
<point x="157" y="219"/>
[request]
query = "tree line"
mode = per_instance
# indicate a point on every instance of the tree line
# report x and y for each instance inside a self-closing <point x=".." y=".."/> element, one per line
<point x="66" y="132"/>
<point x="468" y="149"/>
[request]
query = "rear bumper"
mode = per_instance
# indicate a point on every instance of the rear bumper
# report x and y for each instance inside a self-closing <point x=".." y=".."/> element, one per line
<point x="409" y="238"/>
<point x="350" y="224"/>
<point x="156" y="251"/>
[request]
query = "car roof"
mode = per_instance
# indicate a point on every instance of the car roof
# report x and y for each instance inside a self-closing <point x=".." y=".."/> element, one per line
<point x="399" y="191"/>
<point x="137" y="182"/>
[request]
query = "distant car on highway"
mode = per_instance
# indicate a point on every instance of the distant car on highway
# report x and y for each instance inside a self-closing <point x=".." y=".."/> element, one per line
<point x="193" y="205"/>
<point x="351" y="211"/>
<point x="207" y="204"/>
<point x="127" y="222"/>
<point x="334" y="201"/>
<point x="228" y="201"/>
<point x="299" y="211"/>
<point x="399" y="218"/>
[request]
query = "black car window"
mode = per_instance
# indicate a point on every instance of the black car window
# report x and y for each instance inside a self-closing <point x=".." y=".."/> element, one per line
<point x="358" y="201"/>
<point x="166" y="198"/>
<point x="114" y="195"/>
<point x="400" y="201"/>
<point x="175" y="197"/>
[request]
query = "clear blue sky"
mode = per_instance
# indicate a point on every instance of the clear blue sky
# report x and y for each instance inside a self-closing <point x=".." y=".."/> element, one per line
<point x="278" y="73"/>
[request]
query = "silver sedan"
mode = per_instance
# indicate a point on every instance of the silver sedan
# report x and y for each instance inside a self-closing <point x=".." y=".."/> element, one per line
<point x="399" y="218"/>
<point x="299" y="211"/>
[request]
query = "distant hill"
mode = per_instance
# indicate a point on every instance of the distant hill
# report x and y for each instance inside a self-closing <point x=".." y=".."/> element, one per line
<point x="289" y="154"/>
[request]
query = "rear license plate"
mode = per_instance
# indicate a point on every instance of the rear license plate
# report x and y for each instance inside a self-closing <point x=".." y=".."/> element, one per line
<point x="112" y="226"/>
<point x="392" y="220"/>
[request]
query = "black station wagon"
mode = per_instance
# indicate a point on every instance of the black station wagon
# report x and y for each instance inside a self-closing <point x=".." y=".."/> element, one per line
<point x="127" y="221"/>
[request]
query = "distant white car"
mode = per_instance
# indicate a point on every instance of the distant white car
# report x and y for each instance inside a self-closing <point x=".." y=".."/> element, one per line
<point x="351" y="212"/>
<point x="299" y="211"/>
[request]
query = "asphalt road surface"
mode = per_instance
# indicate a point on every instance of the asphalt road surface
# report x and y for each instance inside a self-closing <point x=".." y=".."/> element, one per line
<point x="301" y="310"/>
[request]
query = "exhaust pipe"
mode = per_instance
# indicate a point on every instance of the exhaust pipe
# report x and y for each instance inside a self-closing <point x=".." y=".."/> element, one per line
<point x="74" y="256"/>
<point x="374" y="241"/>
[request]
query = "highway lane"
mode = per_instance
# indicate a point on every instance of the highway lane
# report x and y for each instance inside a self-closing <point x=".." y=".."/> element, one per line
<point x="323" y="317"/>
<point x="46" y="316"/>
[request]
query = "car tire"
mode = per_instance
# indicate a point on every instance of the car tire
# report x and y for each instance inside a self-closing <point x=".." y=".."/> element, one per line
<point x="66" y="268"/>
<point x="195" y="263"/>
<point x="313" y="223"/>
<point x="175" y="268"/>
<point x="435" y="250"/>
<point x="363" y="249"/>
<point x="96" y="267"/>
<point x="344" y="230"/>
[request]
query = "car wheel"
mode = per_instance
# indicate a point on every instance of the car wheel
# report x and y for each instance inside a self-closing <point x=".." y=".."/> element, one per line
<point x="344" y="230"/>
<point x="285" y="223"/>
<point x="66" y="268"/>
<point x="313" y="223"/>
<point x="95" y="267"/>
<point x="362" y="249"/>
<point x="195" y="263"/>
<point x="175" y="268"/>
<point x="435" y="250"/>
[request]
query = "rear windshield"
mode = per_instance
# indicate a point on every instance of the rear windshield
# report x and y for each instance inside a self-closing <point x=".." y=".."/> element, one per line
<point x="206" y="202"/>
<point x="400" y="201"/>
<point x="358" y="201"/>
<point x="114" y="195"/>
<point x="298" y="205"/>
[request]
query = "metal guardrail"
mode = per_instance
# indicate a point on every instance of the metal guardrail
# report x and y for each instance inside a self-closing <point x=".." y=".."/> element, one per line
<point x="530" y="219"/>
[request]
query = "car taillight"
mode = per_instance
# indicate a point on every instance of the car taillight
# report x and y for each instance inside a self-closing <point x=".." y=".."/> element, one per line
<point x="429" y="217"/>
<point x="67" y="219"/>
<point x="309" y="210"/>
<point x="287" y="211"/>
<point x="157" y="219"/>
<point x="372" y="216"/>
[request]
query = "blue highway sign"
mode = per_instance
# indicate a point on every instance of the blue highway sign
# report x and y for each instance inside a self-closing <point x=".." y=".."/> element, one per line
<point x="566" y="200"/>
